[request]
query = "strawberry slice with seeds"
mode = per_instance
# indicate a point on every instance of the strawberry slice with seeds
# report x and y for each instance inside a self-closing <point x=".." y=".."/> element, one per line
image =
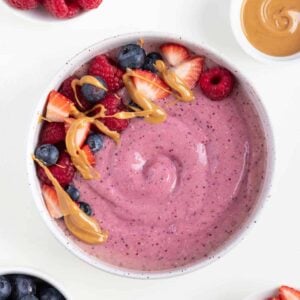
<point x="81" y="133"/>
<point x="58" y="107"/>
<point x="51" y="201"/>
<point x="174" y="54"/>
<point x="288" y="293"/>
<point x="89" y="154"/>
<point x="150" y="85"/>
<point x="189" y="71"/>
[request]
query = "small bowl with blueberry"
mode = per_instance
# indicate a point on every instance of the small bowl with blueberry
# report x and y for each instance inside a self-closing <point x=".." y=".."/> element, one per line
<point x="28" y="284"/>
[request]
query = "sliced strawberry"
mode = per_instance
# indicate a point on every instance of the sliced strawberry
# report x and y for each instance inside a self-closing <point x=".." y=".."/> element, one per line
<point x="150" y="85"/>
<point x="90" y="155"/>
<point x="58" y="107"/>
<point x="174" y="54"/>
<point x="189" y="71"/>
<point x="51" y="201"/>
<point x="82" y="132"/>
<point x="288" y="293"/>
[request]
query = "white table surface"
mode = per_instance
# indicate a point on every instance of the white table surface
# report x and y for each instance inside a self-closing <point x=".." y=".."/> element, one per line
<point x="30" y="55"/>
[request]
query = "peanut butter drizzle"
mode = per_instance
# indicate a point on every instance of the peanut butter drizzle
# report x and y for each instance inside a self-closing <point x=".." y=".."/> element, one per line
<point x="87" y="79"/>
<point x="82" y="226"/>
<point x="182" y="92"/>
<point x="272" y="26"/>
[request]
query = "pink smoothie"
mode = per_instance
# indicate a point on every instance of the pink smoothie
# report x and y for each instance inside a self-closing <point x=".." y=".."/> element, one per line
<point x="172" y="194"/>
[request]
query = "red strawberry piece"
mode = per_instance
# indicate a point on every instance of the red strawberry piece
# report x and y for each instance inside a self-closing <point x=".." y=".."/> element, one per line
<point x="216" y="83"/>
<point x="24" y="4"/>
<point x="189" y="71"/>
<point x="150" y="85"/>
<point x="63" y="171"/>
<point x="174" y="54"/>
<point x="60" y="8"/>
<point x="89" y="4"/>
<point x="102" y="66"/>
<point x="51" y="201"/>
<point x="81" y="133"/>
<point x="58" y="107"/>
<point x="66" y="90"/>
<point x="288" y="293"/>
<point x="89" y="154"/>
<point x="52" y="133"/>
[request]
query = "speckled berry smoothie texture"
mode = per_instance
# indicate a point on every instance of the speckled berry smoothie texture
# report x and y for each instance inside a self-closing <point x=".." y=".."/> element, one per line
<point x="172" y="194"/>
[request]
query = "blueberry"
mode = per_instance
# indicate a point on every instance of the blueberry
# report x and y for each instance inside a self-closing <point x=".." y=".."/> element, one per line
<point x="73" y="192"/>
<point x="51" y="293"/>
<point x="95" y="142"/>
<point x="131" y="56"/>
<point x="23" y="285"/>
<point x="29" y="297"/>
<point x="5" y="288"/>
<point x="85" y="207"/>
<point x="151" y="60"/>
<point x="92" y="93"/>
<point x="48" y="154"/>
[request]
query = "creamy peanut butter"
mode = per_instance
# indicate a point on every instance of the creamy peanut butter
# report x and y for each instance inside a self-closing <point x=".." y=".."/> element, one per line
<point x="272" y="26"/>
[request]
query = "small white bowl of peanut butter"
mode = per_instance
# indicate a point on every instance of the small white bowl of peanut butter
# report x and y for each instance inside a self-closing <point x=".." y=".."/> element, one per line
<point x="267" y="30"/>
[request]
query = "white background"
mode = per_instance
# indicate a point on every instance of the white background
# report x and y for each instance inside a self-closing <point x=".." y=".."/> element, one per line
<point x="30" y="55"/>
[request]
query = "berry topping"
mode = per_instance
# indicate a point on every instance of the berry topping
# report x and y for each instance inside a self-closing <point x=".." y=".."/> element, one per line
<point x="150" y="85"/>
<point x="150" y="61"/>
<point x="112" y="104"/>
<point x="288" y="293"/>
<point x="52" y="133"/>
<point x="86" y="208"/>
<point x="48" y="154"/>
<point x="58" y="107"/>
<point x="105" y="68"/>
<point x="81" y="133"/>
<point x="24" y="4"/>
<point x="116" y="124"/>
<point x="131" y="56"/>
<point x="51" y="201"/>
<point x="50" y="293"/>
<point x="23" y="285"/>
<point x="95" y="142"/>
<point x="92" y="93"/>
<point x="63" y="171"/>
<point x="74" y="10"/>
<point x="73" y="192"/>
<point x="60" y="8"/>
<point x="216" y="83"/>
<point x="89" y="4"/>
<point x="190" y="70"/>
<point x="5" y="288"/>
<point x="174" y="54"/>
<point x="89" y="154"/>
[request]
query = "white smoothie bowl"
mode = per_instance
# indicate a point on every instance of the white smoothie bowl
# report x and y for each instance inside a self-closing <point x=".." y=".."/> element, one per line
<point x="74" y="64"/>
<point x="35" y="273"/>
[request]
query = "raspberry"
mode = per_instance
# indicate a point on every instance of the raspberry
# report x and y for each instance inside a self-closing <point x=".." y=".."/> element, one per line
<point x="63" y="171"/>
<point x="66" y="90"/>
<point x="52" y="133"/>
<point x="24" y="4"/>
<point x="89" y="4"/>
<point x="216" y="83"/>
<point x="103" y="67"/>
<point x="112" y="104"/>
<point x="61" y="9"/>
<point x="74" y="10"/>
<point x="116" y="124"/>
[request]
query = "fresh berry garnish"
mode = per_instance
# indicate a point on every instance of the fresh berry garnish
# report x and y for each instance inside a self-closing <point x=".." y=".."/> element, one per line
<point x="66" y="90"/>
<point x="74" y="10"/>
<point x="51" y="201"/>
<point x="5" y="288"/>
<point x="81" y="133"/>
<point x="92" y="93"/>
<point x="63" y="171"/>
<point x="288" y="293"/>
<point x="58" y="107"/>
<point x="112" y="104"/>
<point x="89" y="4"/>
<point x="150" y="61"/>
<point x="86" y="208"/>
<point x="95" y="142"/>
<point x="60" y="8"/>
<point x="174" y="54"/>
<point x="150" y="85"/>
<point x="89" y="154"/>
<point x="23" y="285"/>
<point x="73" y="192"/>
<point x="216" y="83"/>
<point x="102" y="66"/>
<point x="24" y="4"/>
<point x="131" y="56"/>
<point x="48" y="154"/>
<point x="52" y="133"/>
<point x="189" y="71"/>
<point x="116" y="124"/>
<point x="50" y="293"/>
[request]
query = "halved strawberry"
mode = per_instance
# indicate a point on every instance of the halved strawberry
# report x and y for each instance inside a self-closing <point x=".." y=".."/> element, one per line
<point x="150" y="85"/>
<point x="189" y="71"/>
<point x="288" y="293"/>
<point x="174" y="53"/>
<point x="90" y="155"/>
<point x="58" y="107"/>
<point x="51" y="201"/>
<point x="82" y="132"/>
